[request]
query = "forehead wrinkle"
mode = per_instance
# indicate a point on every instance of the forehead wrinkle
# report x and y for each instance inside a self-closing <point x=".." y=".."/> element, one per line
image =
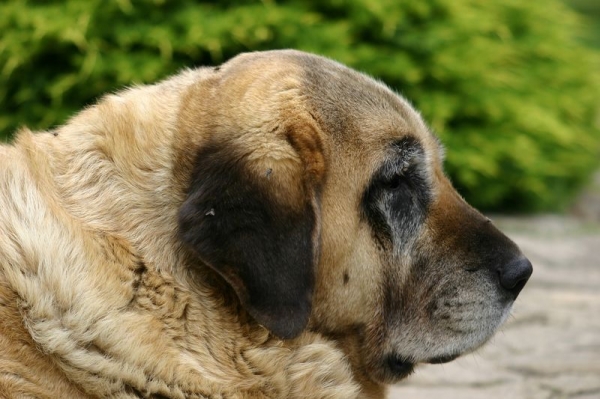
<point x="396" y="147"/>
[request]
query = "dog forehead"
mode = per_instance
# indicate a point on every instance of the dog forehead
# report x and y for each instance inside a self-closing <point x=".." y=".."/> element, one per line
<point x="358" y="111"/>
<point x="347" y="101"/>
<point x="359" y="115"/>
<point x="363" y="118"/>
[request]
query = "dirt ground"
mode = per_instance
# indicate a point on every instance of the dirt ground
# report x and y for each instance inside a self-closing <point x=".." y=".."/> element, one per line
<point x="550" y="347"/>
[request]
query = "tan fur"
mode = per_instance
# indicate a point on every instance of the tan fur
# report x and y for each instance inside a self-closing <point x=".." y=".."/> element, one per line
<point x="98" y="296"/>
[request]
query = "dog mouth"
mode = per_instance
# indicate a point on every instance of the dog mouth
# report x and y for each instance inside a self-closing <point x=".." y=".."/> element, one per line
<point x="401" y="367"/>
<point x="442" y="359"/>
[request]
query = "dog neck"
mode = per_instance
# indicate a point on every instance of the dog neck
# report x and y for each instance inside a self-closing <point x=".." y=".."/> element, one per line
<point x="111" y="167"/>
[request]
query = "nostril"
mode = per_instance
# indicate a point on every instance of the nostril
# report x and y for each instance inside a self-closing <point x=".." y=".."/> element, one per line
<point x="515" y="274"/>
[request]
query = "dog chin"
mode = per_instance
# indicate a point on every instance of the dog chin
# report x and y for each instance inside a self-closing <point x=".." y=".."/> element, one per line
<point x="396" y="366"/>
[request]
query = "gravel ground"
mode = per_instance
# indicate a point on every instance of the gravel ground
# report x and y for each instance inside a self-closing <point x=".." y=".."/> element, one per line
<point x="550" y="347"/>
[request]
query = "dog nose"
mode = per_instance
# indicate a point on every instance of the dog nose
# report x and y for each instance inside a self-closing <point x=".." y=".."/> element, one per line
<point x="515" y="274"/>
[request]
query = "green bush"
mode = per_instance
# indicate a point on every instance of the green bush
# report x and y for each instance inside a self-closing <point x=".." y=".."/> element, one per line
<point x="505" y="85"/>
<point x="590" y="10"/>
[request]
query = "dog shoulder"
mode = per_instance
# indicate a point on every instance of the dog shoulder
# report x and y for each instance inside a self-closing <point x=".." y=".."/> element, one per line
<point x="24" y="370"/>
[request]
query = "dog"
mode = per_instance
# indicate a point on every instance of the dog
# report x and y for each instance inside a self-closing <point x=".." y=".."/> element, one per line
<point x="279" y="226"/>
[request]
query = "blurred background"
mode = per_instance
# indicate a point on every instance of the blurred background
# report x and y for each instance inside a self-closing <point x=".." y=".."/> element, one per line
<point x="512" y="87"/>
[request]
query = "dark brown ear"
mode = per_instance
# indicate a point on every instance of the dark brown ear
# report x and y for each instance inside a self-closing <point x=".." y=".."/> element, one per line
<point x="258" y="227"/>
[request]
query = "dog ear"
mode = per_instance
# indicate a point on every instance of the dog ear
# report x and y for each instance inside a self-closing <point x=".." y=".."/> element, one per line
<point x="255" y="219"/>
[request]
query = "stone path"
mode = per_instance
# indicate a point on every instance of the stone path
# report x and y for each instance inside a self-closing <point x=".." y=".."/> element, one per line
<point x="550" y="347"/>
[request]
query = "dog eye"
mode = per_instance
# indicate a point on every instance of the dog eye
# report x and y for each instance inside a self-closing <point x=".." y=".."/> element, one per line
<point x="396" y="181"/>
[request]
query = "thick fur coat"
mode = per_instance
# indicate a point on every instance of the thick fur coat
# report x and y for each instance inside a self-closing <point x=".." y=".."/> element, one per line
<point x="276" y="227"/>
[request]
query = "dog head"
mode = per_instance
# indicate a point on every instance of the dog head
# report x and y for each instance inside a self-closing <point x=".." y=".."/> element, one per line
<point x="318" y="194"/>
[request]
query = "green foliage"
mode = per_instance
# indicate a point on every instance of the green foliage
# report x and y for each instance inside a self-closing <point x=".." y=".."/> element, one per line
<point x="505" y="84"/>
<point x="590" y="10"/>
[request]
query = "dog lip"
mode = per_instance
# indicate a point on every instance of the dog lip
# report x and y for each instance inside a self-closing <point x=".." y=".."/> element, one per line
<point x="399" y="366"/>
<point x="442" y="359"/>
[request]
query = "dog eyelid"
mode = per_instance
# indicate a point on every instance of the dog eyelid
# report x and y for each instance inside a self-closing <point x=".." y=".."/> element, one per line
<point x="404" y="157"/>
<point x="403" y="167"/>
<point x="395" y="169"/>
<point x="398" y="174"/>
